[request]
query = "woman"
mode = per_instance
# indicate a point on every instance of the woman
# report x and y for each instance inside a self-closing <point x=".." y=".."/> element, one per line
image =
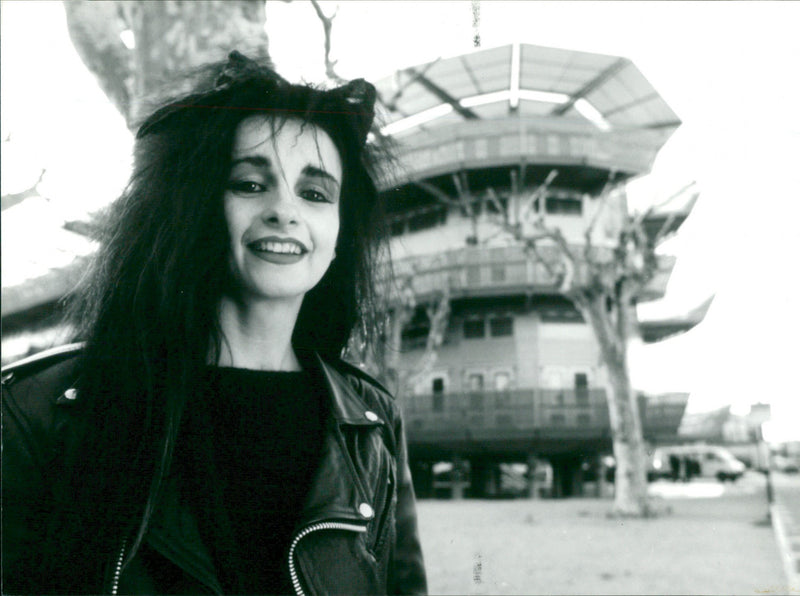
<point x="207" y="437"/>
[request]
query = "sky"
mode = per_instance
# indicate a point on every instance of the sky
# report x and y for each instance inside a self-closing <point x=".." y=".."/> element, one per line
<point x="728" y="69"/>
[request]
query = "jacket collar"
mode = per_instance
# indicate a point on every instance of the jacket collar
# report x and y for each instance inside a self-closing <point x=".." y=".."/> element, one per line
<point x="348" y="405"/>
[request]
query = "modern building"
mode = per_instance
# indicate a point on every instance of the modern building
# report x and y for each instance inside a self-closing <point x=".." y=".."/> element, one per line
<point x="482" y="137"/>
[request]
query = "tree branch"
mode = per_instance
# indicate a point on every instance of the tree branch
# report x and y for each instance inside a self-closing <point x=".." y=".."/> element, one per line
<point x="327" y="26"/>
<point x="538" y="194"/>
<point x="11" y="199"/>
<point x="94" y="28"/>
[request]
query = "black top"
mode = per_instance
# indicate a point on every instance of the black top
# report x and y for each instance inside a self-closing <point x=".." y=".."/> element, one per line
<point x="264" y="442"/>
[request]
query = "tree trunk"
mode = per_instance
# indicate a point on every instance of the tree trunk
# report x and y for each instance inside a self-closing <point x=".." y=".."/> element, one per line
<point x="171" y="38"/>
<point x="630" y="481"/>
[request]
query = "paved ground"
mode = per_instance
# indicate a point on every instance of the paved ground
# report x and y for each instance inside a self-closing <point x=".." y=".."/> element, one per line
<point x="786" y="521"/>
<point x="712" y="542"/>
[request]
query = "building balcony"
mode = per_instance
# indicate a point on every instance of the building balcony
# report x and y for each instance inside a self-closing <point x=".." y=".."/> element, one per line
<point x="493" y="417"/>
<point x="499" y="271"/>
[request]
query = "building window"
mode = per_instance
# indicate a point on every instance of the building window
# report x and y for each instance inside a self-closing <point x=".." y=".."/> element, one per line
<point x="560" y="205"/>
<point x="560" y="314"/>
<point x="438" y="394"/>
<point x="498" y="273"/>
<point x="415" y="333"/>
<point x="501" y="326"/>
<point x="475" y="381"/>
<point x="420" y="219"/>
<point x="427" y="219"/>
<point x="502" y="380"/>
<point x="582" y="388"/>
<point x="474" y="328"/>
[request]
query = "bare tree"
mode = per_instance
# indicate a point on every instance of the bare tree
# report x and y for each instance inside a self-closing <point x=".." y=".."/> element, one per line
<point x="404" y="306"/>
<point x="137" y="49"/>
<point x="604" y="282"/>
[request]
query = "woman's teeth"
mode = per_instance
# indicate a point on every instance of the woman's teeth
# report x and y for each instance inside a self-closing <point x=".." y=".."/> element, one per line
<point x="289" y="248"/>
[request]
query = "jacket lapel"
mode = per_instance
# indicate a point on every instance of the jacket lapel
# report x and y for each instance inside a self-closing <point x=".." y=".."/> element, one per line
<point x="337" y="491"/>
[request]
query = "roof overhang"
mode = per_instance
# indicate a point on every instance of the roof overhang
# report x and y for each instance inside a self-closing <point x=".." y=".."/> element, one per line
<point x="521" y="101"/>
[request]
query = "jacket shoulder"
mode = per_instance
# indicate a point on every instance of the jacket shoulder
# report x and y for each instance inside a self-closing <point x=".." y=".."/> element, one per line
<point x="357" y="376"/>
<point x="31" y="366"/>
<point x="37" y="395"/>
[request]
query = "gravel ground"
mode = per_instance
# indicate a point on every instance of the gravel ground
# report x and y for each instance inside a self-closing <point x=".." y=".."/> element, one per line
<point x="721" y="545"/>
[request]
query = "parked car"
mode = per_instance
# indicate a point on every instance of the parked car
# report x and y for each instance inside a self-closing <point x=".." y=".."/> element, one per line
<point x="684" y="462"/>
<point x="784" y="464"/>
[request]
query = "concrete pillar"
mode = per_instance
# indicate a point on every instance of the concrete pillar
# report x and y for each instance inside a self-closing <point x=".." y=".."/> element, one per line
<point x="602" y="483"/>
<point x="484" y="478"/>
<point x="567" y="477"/>
<point x="459" y="478"/>
<point x="533" y="481"/>
<point x="422" y="476"/>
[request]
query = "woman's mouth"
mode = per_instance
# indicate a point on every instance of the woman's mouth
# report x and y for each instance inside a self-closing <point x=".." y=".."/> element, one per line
<point x="282" y="251"/>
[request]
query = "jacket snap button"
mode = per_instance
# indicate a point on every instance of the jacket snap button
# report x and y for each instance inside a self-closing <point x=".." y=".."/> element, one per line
<point x="371" y="416"/>
<point x="71" y="393"/>
<point x="365" y="510"/>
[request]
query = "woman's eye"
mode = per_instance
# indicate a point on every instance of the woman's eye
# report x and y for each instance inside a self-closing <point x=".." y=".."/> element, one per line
<point x="246" y="186"/>
<point x="314" y="196"/>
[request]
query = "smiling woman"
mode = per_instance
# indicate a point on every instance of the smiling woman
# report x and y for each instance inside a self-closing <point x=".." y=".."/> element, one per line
<point x="282" y="209"/>
<point x="207" y="436"/>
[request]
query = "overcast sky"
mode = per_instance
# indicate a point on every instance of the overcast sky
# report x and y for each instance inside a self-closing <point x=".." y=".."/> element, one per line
<point x="728" y="69"/>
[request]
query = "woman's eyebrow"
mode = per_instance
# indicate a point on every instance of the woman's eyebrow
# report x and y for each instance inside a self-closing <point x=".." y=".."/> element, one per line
<point x="254" y="160"/>
<point x="314" y="171"/>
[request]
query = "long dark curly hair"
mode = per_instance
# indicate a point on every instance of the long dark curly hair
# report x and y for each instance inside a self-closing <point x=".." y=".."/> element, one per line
<point x="147" y="310"/>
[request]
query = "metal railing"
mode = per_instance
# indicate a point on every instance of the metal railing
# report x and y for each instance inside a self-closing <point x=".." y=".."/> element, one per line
<point x="497" y="270"/>
<point x="566" y="411"/>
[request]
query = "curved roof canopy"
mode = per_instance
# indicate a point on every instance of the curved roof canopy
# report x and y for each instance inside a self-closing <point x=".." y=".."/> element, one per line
<point x="601" y="105"/>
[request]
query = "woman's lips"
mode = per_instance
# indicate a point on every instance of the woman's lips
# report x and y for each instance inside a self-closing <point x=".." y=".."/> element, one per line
<point x="273" y="249"/>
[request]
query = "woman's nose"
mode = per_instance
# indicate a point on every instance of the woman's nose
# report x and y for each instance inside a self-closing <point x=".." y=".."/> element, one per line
<point x="281" y="208"/>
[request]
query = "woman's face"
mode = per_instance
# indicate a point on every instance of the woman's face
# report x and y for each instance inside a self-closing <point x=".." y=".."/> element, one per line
<point x="282" y="207"/>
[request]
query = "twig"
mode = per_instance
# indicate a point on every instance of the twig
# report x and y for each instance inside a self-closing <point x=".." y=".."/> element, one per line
<point x="327" y="26"/>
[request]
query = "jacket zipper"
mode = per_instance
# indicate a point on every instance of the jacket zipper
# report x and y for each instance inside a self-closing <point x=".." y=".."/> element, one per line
<point x="118" y="569"/>
<point x="305" y="532"/>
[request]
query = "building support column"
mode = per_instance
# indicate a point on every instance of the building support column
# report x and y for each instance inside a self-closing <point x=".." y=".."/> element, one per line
<point x="533" y="480"/>
<point x="567" y="477"/>
<point x="459" y="478"/>
<point x="484" y="478"/>
<point x="422" y="476"/>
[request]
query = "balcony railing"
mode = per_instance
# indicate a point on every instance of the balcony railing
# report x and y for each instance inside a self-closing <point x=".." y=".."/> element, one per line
<point x="494" y="414"/>
<point x="498" y="271"/>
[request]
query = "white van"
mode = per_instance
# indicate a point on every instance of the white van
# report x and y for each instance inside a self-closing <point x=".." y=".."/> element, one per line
<point x="684" y="462"/>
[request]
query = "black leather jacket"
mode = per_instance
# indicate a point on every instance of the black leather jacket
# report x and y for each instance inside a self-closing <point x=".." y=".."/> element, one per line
<point x="358" y="533"/>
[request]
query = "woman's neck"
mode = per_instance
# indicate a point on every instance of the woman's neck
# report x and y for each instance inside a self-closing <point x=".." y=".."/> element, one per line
<point x="258" y="335"/>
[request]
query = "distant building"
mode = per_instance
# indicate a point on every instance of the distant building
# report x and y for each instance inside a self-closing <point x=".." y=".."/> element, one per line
<point x="518" y="376"/>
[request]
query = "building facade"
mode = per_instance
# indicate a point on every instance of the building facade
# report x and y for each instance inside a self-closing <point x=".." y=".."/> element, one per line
<point x="490" y="142"/>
